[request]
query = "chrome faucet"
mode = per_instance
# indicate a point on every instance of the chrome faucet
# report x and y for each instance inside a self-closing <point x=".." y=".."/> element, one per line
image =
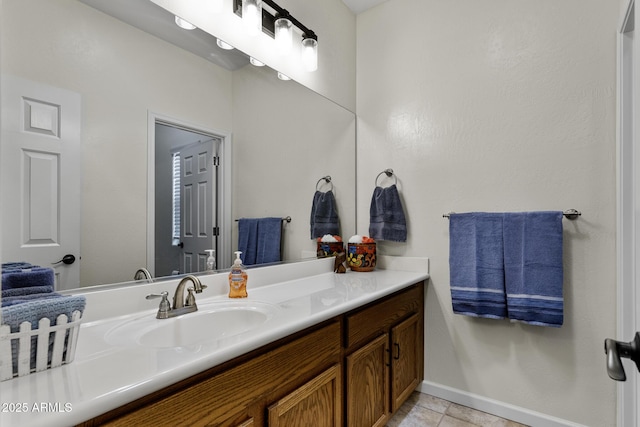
<point x="143" y="274"/>
<point x="180" y="305"/>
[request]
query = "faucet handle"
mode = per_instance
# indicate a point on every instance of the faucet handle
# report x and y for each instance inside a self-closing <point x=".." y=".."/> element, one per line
<point x="191" y="298"/>
<point x="163" y="295"/>
<point x="165" y="307"/>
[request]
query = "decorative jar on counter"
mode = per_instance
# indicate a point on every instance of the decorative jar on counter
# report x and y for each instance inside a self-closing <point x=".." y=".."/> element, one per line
<point x="361" y="256"/>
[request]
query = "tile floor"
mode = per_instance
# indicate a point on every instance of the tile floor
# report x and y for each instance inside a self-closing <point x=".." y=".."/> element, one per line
<point x="423" y="410"/>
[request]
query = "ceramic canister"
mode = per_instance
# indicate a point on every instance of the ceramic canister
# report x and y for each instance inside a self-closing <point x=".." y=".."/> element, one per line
<point x="361" y="256"/>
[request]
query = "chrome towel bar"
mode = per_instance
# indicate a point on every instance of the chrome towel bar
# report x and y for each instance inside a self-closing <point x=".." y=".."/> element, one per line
<point x="569" y="214"/>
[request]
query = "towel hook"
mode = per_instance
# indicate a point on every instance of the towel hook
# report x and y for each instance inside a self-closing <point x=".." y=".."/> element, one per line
<point x="326" y="179"/>
<point x="389" y="173"/>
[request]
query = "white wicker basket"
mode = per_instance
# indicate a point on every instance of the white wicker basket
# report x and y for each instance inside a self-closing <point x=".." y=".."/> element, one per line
<point x="54" y="346"/>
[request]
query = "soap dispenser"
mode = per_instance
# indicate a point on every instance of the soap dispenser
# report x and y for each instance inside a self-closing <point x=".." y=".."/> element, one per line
<point x="237" y="279"/>
<point x="211" y="259"/>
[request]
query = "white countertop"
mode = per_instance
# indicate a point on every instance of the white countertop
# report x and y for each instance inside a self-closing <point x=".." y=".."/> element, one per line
<point x="103" y="377"/>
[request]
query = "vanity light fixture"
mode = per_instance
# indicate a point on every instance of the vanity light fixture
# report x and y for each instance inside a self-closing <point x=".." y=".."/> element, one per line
<point x="255" y="62"/>
<point x="310" y="52"/>
<point x="223" y="45"/>
<point x="278" y="23"/>
<point x="283" y="76"/>
<point x="283" y="32"/>
<point x="186" y="25"/>
<point x="252" y="16"/>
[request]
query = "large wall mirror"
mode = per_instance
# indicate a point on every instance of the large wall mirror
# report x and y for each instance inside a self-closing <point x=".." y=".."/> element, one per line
<point x="102" y="78"/>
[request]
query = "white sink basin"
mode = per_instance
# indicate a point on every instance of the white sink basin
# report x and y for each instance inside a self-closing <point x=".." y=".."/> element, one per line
<point x="213" y="321"/>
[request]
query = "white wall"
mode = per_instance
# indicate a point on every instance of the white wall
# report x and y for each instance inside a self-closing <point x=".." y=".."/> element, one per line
<point x="276" y="125"/>
<point x="500" y="106"/>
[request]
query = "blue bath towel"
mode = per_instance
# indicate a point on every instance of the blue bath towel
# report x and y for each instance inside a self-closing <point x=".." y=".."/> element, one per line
<point x="476" y="265"/>
<point x="37" y="276"/>
<point x="324" y="215"/>
<point x="259" y="240"/>
<point x="386" y="215"/>
<point x="533" y="267"/>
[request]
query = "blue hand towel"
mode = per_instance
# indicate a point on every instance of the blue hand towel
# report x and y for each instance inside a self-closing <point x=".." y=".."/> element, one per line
<point x="324" y="215"/>
<point x="269" y="239"/>
<point x="248" y="239"/>
<point x="476" y="265"/>
<point x="386" y="216"/>
<point x="37" y="276"/>
<point x="259" y="240"/>
<point x="533" y="267"/>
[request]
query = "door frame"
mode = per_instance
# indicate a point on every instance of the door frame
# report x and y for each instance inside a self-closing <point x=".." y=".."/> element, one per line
<point x="628" y="202"/>
<point x="225" y="177"/>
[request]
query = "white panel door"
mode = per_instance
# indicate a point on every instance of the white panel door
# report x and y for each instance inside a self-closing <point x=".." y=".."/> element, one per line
<point x="40" y="167"/>
<point x="197" y="192"/>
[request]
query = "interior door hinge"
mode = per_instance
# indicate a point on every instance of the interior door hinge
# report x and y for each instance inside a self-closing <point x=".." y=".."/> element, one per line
<point x="216" y="160"/>
<point x="216" y="231"/>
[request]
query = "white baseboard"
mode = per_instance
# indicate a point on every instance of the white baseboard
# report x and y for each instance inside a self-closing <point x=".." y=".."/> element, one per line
<point x="495" y="407"/>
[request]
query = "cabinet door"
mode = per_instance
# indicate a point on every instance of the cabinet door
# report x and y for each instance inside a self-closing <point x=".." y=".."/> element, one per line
<point x="405" y="368"/>
<point x="368" y="384"/>
<point x="316" y="403"/>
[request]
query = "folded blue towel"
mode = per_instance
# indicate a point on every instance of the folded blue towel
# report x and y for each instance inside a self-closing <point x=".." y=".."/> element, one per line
<point x="533" y="267"/>
<point x="324" y="215"/>
<point x="37" y="276"/>
<point x="386" y="216"/>
<point x="6" y="293"/>
<point x="259" y="240"/>
<point x="476" y="265"/>
<point x="32" y="311"/>
<point x="19" y="299"/>
<point x="6" y="266"/>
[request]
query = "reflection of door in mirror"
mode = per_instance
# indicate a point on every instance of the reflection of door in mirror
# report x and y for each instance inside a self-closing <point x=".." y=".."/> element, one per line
<point x="41" y="176"/>
<point x="186" y="198"/>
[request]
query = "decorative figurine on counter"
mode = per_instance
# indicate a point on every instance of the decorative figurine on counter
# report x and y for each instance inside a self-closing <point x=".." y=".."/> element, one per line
<point x="338" y="266"/>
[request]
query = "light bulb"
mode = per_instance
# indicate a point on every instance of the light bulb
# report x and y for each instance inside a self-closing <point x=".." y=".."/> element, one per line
<point x="283" y="35"/>
<point x="184" y="24"/>
<point x="255" y="62"/>
<point x="310" y="54"/>
<point x="252" y="16"/>
<point x="223" y="45"/>
<point x="283" y="76"/>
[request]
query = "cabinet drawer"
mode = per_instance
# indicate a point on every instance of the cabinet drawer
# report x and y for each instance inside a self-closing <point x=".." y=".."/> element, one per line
<point x="378" y="317"/>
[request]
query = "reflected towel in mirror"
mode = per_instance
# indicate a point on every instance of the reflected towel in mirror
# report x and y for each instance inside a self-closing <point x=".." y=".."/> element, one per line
<point x="324" y="215"/>
<point x="259" y="240"/>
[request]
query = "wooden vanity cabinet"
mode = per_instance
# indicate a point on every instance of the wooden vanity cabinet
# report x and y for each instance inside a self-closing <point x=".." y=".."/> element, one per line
<point x="355" y="369"/>
<point x="237" y="393"/>
<point x="384" y="356"/>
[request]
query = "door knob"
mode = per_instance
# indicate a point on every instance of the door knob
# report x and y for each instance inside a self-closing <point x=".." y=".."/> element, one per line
<point x="615" y="350"/>
<point x="67" y="259"/>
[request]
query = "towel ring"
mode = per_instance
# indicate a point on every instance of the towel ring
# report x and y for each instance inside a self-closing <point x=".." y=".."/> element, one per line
<point x="389" y="173"/>
<point x="326" y="179"/>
